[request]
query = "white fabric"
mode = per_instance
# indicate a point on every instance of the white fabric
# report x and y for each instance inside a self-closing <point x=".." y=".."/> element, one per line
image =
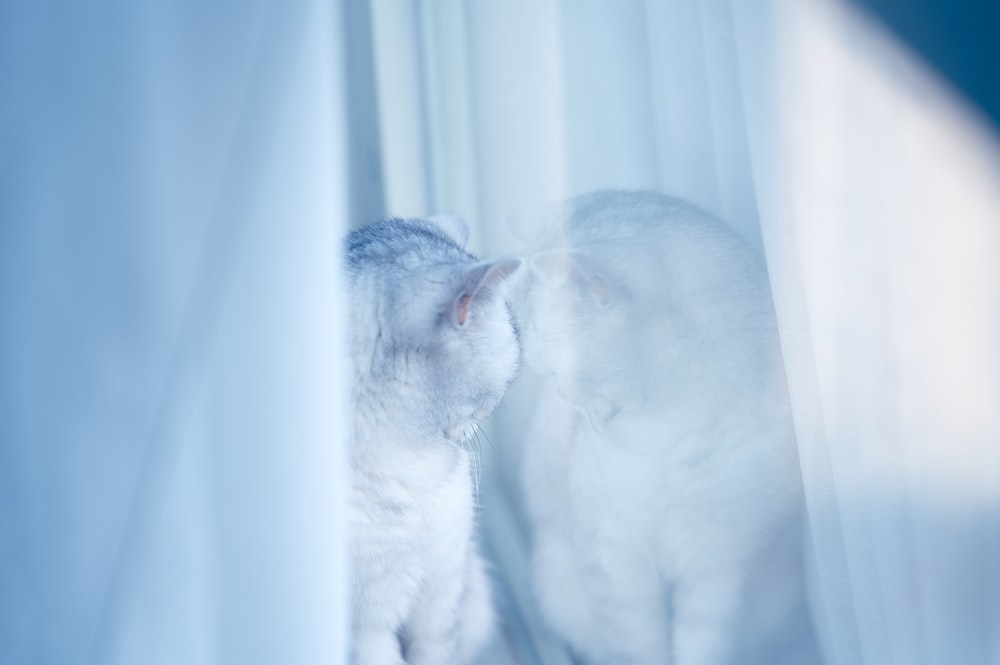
<point x="170" y="393"/>
<point x="870" y="188"/>
<point x="176" y="179"/>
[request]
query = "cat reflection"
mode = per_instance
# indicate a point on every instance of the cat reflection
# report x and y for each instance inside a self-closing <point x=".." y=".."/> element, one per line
<point x="661" y="478"/>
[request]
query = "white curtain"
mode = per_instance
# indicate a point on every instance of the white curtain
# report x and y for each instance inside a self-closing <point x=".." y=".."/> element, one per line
<point x="879" y="192"/>
<point x="873" y="192"/>
<point x="174" y="181"/>
<point x="174" y="192"/>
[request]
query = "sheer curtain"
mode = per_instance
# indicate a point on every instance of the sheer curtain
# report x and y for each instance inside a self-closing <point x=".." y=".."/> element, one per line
<point x="879" y="199"/>
<point x="872" y="190"/>
<point x="173" y="194"/>
<point x="175" y="181"/>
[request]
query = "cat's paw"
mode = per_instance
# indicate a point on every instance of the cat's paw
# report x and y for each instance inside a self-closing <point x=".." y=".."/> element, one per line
<point x="376" y="648"/>
<point x="477" y="617"/>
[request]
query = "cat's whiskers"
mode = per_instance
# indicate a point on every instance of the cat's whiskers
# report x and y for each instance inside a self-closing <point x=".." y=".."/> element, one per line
<point x="479" y="430"/>
<point x="475" y="457"/>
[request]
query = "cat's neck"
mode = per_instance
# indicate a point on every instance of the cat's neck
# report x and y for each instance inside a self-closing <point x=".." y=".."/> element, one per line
<point x="394" y="425"/>
<point x="398" y="454"/>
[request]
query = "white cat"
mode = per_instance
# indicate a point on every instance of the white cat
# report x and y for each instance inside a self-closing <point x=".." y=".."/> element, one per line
<point x="433" y="349"/>
<point x="660" y="476"/>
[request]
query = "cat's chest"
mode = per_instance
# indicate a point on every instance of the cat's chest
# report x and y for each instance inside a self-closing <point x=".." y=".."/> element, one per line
<point x="417" y="498"/>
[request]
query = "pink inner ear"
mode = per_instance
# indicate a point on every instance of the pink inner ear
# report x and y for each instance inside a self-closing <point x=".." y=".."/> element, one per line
<point x="482" y="279"/>
<point x="462" y="313"/>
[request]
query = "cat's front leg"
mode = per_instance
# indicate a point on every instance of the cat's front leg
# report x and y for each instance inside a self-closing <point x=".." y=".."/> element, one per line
<point x="376" y="647"/>
<point x="706" y="611"/>
<point x="610" y="608"/>
<point x="454" y="619"/>
<point x="632" y="619"/>
<point x="431" y="635"/>
<point x="476" y="617"/>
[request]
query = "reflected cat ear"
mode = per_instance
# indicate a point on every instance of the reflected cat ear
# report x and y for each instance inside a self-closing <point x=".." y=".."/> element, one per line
<point x="453" y="226"/>
<point x="567" y="267"/>
<point x="554" y="264"/>
<point x="530" y="225"/>
<point x="481" y="281"/>
<point x="601" y="290"/>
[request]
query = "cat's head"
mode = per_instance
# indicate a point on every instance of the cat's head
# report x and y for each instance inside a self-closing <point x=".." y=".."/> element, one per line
<point x="578" y="321"/>
<point x="432" y="334"/>
<point x="627" y="294"/>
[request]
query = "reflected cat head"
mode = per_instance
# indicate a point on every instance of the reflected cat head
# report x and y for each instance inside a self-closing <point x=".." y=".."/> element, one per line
<point x="633" y="297"/>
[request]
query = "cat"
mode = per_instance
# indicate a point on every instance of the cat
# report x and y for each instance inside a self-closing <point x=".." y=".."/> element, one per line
<point x="660" y="474"/>
<point x="433" y="349"/>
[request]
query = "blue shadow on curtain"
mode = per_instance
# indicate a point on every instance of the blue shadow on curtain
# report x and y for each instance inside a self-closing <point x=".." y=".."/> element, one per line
<point x="172" y="194"/>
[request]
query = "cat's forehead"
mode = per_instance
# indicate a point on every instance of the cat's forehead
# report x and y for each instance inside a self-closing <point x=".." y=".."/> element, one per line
<point x="622" y="218"/>
<point x="403" y="243"/>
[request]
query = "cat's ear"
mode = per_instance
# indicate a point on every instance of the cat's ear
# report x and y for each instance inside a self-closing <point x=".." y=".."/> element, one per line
<point x="453" y="226"/>
<point x="481" y="280"/>
<point x="562" y="266"/>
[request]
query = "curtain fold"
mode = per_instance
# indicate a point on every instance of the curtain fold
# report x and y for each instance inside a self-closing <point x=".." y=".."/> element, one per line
<point x="171" y="398"/>
<point x="865" y="182"/>
<point x="175" y="180"/>
<point x="883" y="238"/>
